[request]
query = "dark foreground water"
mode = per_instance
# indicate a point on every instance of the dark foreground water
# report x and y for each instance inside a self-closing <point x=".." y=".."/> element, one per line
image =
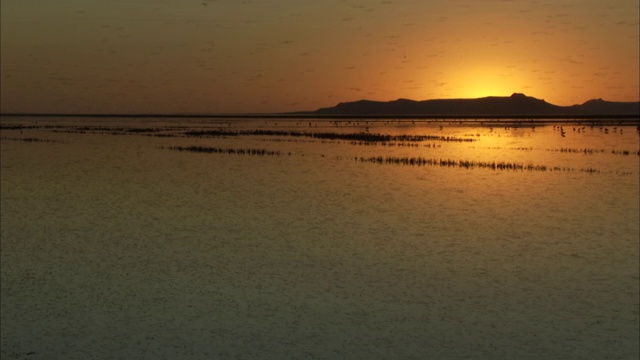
<point x="254" y="239"/>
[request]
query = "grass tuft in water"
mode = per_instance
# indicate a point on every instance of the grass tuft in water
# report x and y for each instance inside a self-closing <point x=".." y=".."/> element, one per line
<point x="231" y="151"/>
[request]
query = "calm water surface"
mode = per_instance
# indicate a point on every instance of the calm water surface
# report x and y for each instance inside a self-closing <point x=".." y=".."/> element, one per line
<point x="115" y="245"/>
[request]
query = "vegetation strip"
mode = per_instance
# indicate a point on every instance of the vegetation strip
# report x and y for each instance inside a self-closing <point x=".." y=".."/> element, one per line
<point x="466" y="164"/>
<point x="409" y="161"/>
<point x="214" y="150"/>
<point x="28" y="139"/>
<point x="594" y="151"/>
<point x="368" y="137"/>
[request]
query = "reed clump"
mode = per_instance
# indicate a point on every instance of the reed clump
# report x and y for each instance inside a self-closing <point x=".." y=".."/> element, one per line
<point x="576" y="151"/>
<point x="113" y="130"/>
<point x="230" y="151"/>
<point x="466" y="164"/>
<point x="588" y="151"/>
<point x="624" y="152"/>
<point x="357" y="137"/>
<point x="28" y="139"/>
<point x="20" y="127"/>
<point x="469" y="164"/>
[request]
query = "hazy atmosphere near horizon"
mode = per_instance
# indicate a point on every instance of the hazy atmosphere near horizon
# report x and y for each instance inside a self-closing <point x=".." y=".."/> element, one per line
<point x="222" y="56"/>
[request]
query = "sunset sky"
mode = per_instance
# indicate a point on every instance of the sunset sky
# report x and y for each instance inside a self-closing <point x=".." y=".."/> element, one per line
<point x="230" y="56"/>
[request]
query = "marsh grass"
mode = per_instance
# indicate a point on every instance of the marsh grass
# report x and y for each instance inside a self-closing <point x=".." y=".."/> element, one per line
<point x="357" y="137"/>
<point x="393" y="160"/>
<point x="109" y="130"/>
<point x="330" y="137"/>
<point x="29" y="139"/>
<point x="594" y="151"/>
<point x="230" y="151"/>
<point x="503" y="148"/>
<point x="467" y="164"/>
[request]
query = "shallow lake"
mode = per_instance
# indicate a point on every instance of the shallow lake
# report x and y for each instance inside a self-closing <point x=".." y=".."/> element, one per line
<point x="165" y="238"/>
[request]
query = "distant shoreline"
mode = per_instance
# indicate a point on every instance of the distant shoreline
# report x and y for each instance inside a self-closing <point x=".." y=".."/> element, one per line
<point x="518" y="106"/>
<point x="619" y="119"/>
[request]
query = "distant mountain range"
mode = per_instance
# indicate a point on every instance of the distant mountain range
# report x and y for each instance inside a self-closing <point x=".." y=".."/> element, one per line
<point x="517" y="105"/>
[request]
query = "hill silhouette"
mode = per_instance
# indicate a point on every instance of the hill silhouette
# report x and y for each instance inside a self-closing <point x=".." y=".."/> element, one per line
<point x="518" y="105"/>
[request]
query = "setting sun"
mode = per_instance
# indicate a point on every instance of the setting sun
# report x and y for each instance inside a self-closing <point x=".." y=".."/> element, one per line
<point x="477" y="82"/>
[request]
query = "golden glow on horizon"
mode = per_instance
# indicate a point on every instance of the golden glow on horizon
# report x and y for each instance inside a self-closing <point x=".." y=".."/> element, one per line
<point x="281" y="55"/>
<point x="483" y="82"/>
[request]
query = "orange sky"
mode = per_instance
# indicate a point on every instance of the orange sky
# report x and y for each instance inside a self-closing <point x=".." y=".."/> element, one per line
<point x="224" y="56"/>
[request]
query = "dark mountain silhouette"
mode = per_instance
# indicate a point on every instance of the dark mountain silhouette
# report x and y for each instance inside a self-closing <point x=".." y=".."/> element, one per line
<point x="518" y="105"/>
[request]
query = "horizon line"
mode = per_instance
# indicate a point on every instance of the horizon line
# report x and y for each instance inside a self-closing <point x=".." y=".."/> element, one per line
<point x="317" y="114"/>
<point x="312" y="115"/>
